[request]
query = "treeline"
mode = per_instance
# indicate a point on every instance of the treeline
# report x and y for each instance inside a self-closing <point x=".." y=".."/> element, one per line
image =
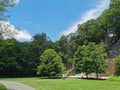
<point x="42" y="56"/>
<point x="22" y="58"/>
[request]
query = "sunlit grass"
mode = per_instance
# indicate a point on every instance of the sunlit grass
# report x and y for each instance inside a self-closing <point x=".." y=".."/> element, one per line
<point x="2" y="87"/>
<point x="69" y="84"/>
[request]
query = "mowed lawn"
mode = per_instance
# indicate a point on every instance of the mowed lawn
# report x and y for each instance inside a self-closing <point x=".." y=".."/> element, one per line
<point x="69" y="84"/>
<point x="2" y="87"/>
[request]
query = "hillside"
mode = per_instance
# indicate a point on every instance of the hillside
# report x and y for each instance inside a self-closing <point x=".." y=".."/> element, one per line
<point x="105" y="29"/>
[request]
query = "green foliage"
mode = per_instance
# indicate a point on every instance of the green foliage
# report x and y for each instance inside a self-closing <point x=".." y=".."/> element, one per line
<point x="4" y="4"/>
<point x="66" y="48"/>
<point x="22" y="58"/>
<point x="90" y="59"/>
<point x="114" y="79"/>
<point x="4" y="7"/>
<point x="8" y="63"/>
<point x="34" y="49"/>
<point x="50" y="64"/>
<point x="91" y="31"/>
<point x="62" y="48"/>
<point x="103" y="29"/>
<point x="117" y="65"/>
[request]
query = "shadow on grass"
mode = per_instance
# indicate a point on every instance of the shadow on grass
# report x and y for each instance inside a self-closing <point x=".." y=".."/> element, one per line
<point x="92" y="78"/>
<point x="50" y="77"/>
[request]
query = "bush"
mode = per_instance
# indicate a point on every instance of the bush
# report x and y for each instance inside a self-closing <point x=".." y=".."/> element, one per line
<point x="117" y="66"/>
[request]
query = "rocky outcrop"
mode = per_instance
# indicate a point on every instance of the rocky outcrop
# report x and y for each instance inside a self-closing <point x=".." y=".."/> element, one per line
<point x="111" y="66"/>
<point x="115" y="51"/>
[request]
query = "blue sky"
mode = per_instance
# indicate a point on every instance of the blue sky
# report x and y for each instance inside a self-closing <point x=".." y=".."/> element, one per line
<point x="54" y="17"/>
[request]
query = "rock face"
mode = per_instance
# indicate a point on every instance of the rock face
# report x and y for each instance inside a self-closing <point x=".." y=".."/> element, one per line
<point x="115" y="49"/>
<point x="111" y="66"/>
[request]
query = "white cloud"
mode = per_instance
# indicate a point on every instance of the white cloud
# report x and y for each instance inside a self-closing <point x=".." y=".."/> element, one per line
<point x="16" y="1"/>
<point x="23" y="35"/>
<point x="90" y="14"/>
<point x="9" y="31"/>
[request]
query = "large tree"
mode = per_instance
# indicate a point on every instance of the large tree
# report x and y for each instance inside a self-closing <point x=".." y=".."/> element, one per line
<point x="50" y="64"/>
<point x="9" y="62"/>
<point x="90" y="59"/>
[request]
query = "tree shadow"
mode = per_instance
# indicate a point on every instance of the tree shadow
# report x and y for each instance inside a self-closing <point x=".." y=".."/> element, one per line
<point x="92" y="78"/>
<point x="50" y="77"/>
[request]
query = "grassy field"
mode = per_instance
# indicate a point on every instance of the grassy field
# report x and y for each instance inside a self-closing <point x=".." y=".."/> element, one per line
<point x="2" y="87"/>
<point x="70" y="84"/>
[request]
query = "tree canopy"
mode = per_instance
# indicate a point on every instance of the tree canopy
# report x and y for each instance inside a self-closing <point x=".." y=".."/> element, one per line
<point x="50" y="64"/>
<point x="90" y="59"/>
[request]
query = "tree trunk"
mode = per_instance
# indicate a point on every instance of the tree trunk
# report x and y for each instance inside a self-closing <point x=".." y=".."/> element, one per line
<point x="97" y="75"/>
<point x="86" y="75"/>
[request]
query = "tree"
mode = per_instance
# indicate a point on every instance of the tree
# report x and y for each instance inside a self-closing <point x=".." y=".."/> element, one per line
<point x="50" y="64"/>
<point x="4" y="4"/>
<point x="83" y="61"/>
<point x="62" y="48"/>
<point x="117" y="65"/>
<point x="98" y="56"/>
<point x="91" y="31"/>
<point x="4" y="26"/>
<point x="22" y="58"/>
<point x="40" y="43"/>
<point x="90" y="59"/>
<point x="106" y="28"/>
<point x="8" y="58"/>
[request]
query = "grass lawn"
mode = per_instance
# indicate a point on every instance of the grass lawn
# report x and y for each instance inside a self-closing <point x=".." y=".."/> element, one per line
<point x="2" y="87"/>
<point x="70" y="84"/>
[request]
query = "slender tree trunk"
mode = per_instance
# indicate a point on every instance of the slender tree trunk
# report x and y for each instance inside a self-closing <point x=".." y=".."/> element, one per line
<point x="97" y="75"/>
<point x="86" y="75"/>
<point x="97" y="71"/>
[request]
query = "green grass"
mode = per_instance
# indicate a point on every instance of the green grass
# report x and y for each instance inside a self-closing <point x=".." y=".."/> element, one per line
<point x="70" y="84"/>
<point x="114" y="79"/>
<point x="2" y="87"/>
